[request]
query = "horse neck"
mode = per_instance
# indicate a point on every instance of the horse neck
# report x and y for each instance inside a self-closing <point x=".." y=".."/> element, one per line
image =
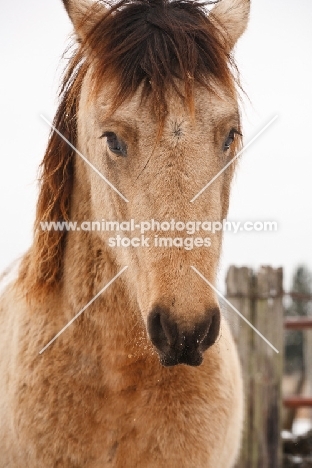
<point x="113" y="318"/>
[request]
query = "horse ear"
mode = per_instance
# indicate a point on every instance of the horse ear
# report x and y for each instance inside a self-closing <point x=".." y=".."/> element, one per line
<point x="233" y="16"/>
<point x="84" y="14"/>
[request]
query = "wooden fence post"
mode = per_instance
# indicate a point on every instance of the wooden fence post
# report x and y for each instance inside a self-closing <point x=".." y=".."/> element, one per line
<point x="258" y="296"/>
<point x="239" y="291"/>
<point x="307" y="362"/>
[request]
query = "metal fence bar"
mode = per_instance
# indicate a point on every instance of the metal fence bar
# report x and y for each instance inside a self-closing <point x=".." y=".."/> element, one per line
<point x="297" y="402"/>
<point x="301" y="323"/>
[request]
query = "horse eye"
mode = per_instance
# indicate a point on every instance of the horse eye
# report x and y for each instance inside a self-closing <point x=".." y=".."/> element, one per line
<point x="230" y="139"/>
<point x="115" y="144"/>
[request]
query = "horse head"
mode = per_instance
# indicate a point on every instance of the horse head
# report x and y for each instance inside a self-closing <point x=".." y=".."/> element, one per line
<point x="151" y="100"/>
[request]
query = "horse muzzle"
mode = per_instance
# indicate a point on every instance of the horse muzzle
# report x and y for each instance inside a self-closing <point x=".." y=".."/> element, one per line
<point x="178" y="344"/>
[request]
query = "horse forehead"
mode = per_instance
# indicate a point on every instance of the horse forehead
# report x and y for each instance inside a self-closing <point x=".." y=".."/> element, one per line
<point x="210" y="109"/>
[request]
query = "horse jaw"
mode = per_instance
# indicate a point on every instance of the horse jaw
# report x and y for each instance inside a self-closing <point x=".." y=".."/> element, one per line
<point x="233" y="16"/>
<point x="84" y="15"/>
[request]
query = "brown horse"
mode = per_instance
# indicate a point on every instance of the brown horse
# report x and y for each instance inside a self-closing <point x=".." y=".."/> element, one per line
<point x="148" y="375"/>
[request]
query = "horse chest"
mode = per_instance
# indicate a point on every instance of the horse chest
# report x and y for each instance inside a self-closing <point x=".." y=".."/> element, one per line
<point x="81" y="426"/>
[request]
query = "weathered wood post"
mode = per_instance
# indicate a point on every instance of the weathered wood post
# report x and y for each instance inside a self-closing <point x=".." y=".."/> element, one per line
<point x="307" y="362"/>
<point x="239" y="292"/>
<point x="258" y="296"/>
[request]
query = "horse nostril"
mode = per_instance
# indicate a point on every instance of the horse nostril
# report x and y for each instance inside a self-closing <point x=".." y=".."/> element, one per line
<point x="208" y="330"/>
<point x="180" y="346"/>
<point x="163" y="331"/>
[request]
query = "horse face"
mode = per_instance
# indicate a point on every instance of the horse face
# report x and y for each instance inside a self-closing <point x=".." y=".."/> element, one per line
<point x="154" y="171"/>
<point x="159" y="177"/>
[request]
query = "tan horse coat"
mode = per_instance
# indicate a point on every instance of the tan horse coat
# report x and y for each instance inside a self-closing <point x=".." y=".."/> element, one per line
<point x="99" y="396"/>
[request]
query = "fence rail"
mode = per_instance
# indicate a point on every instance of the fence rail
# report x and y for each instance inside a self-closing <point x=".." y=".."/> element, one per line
<point x="259" y="295"/>
<point x="297" y="402"/>
<point x="301" y="323"/>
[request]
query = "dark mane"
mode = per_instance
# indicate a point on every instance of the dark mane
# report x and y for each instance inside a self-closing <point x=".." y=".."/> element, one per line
<point x="148" y="43"/>
<point x="154" y="43"/>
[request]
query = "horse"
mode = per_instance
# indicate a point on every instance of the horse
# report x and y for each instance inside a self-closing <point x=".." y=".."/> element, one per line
<point x="147" y="375"/>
